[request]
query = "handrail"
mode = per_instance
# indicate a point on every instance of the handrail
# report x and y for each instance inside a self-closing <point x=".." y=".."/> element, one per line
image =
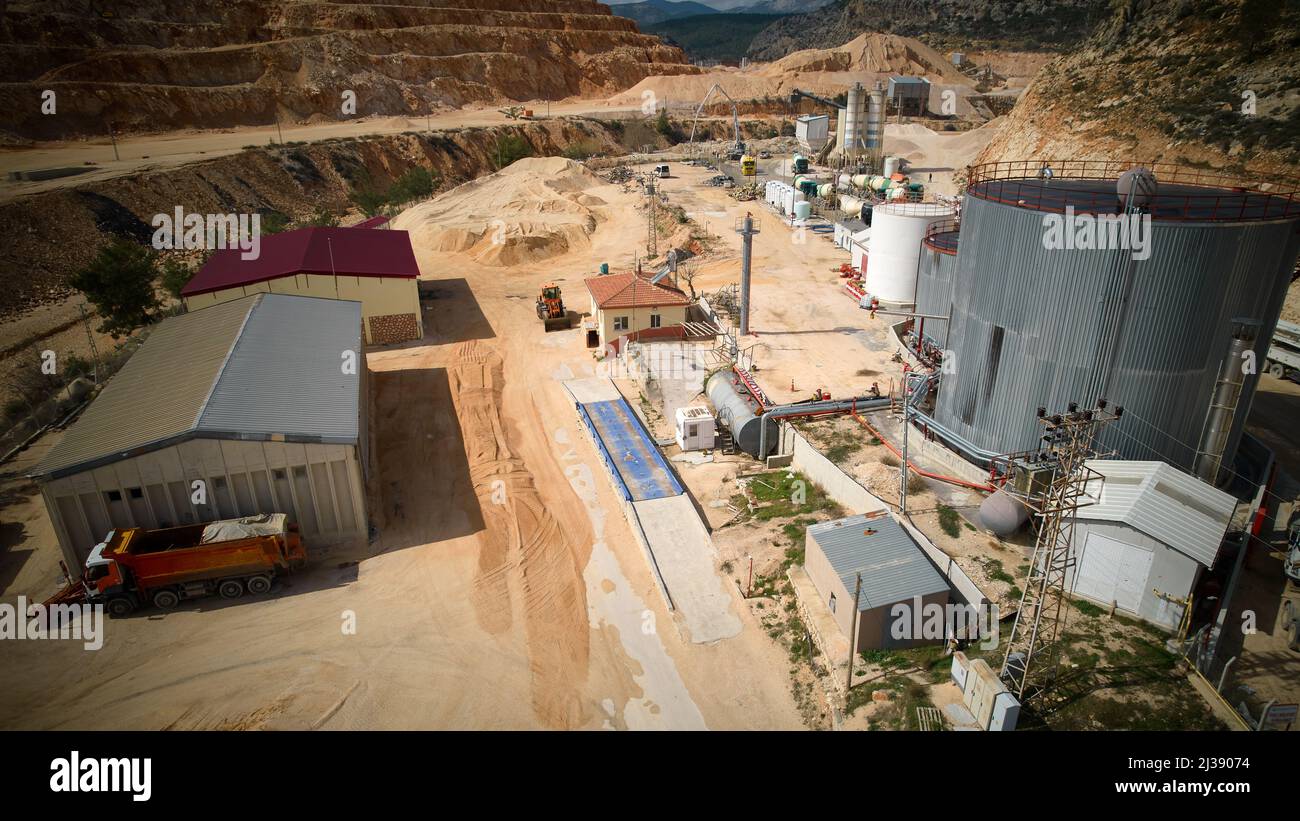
<point x="1217" y="196"/>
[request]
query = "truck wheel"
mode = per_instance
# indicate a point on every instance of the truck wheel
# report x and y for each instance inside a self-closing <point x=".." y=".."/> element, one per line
<point x="166" y="599"/>
<point x="1276" y="370"/>
<point x="258" y="584"/>
<point x="120" y="606"/>
<point x="231" y="589"/>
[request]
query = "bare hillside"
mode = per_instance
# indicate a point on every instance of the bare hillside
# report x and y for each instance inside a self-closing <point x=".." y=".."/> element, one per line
<point x="1171" y="81"/>
<point x="153" y="65"/>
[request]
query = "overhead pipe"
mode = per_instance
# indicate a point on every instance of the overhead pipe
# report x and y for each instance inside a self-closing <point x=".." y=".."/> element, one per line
<point x="814" y="409"/>
<point x="912" y="465"/>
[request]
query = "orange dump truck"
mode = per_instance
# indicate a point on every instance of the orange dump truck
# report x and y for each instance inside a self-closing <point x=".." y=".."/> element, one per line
<point x="136" y="567"/>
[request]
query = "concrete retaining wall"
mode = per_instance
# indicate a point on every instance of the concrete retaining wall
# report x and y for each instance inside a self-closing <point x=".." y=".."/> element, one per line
<point x="840" y="486"/>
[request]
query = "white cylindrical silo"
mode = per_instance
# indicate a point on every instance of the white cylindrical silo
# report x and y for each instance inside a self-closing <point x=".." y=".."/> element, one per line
<point x="890" y="166"/>
<point x="854" y="114"/>
<point x="897" y="229"/>
<point x="874" y="132"/>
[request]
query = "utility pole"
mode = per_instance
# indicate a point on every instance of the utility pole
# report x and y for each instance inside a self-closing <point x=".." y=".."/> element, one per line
<point x="1055" y="487"/>
<point x="902" y="489"/>
<point x="278" y="133"/>
<point x="112" y="137"/>
<point x="94" y="349"/>
<point x="652" y="240"/>
<point x="853" y="634"/>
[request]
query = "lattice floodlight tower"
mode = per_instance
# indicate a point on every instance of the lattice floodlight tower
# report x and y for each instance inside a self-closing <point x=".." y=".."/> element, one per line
<point x="1052" y="482"/>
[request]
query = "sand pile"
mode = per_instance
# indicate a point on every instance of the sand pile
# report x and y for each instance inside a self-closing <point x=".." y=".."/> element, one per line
<point x="533" y="210"/>
<point x="874" y="53"/>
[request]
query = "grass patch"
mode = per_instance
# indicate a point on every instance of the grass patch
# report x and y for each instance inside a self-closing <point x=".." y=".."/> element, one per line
<point x="950" y="521"/>
<point x="786" y="495"/>
<point x="1087" y="608"/>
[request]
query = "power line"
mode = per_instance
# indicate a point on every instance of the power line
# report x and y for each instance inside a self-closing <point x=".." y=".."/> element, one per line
<point x="1157" y="429"/>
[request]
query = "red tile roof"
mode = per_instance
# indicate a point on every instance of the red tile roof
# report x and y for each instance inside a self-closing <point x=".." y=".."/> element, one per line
<point x="628" y="290"/>
<point x="309" y="250"/>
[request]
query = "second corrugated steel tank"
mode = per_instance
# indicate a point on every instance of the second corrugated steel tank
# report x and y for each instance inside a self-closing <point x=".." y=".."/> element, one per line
<point x="1027" y="327"/>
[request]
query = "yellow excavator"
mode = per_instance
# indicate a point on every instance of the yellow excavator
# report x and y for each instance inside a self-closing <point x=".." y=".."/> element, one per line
<point x="550" y="308"/>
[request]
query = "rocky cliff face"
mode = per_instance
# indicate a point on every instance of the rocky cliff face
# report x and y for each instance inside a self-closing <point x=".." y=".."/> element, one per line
<point x="1171" y="80"/>
<point x="161" y="65"/>
<point x="943" y="24"/>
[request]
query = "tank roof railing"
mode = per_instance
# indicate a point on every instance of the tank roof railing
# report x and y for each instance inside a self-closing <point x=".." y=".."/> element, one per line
<point x="1222" y="196"/>
<point x="935" y="229"/>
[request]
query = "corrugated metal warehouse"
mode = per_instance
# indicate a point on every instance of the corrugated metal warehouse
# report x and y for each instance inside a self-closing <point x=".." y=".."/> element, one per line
<point x="1143" y="542"/>
<point x="1034" y="324"/>
<point x="374" y="267"/>
<point x="252" y="406"/>
<point x="893" y="568"/>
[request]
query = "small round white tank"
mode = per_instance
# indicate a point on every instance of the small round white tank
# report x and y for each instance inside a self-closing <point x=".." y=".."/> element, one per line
<point x="891" y="166"/>
<point x="802" y="210"/>
<point x="897" y="229"/>
<point x="1003" y="514"/>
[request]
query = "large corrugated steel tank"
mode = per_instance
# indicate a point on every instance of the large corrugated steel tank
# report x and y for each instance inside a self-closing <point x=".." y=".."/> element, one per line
<point x="739" y="412"/>
<point x="1033" y="326"/>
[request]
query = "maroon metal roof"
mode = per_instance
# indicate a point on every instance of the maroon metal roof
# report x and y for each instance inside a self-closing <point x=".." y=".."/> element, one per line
<point x="373" y="222"/>
<point x="309" y="250"/>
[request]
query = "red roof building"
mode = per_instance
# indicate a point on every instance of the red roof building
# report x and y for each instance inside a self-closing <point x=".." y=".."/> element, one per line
<point x="631" y="305"/>
<point x="375" y="268"/>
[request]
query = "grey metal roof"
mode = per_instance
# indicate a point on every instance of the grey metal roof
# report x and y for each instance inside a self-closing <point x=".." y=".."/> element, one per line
<point x="252" y="368"/>
<point x="1163" y="502"/>
<point x="893" y="567"/>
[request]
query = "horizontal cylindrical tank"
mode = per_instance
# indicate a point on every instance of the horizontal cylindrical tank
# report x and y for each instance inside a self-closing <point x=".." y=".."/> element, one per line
<point x="861" y="180"/>
<point x="1003" y="514"/>
<point x="1144" y="324"/>
<point x="850" y="204"/>
<point x="738" y="412"/>
<point x="825" y="190"/>
<point x="897" y="230"/>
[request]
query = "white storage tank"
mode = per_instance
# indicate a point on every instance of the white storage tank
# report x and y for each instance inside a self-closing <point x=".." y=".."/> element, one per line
<point x="696" y="428"/>
<point x="802" y="210"/>
<point x="891" y="167"/>
<point x="897" y="229"/>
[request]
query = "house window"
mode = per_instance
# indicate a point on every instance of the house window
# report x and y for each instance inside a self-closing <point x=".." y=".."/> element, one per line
<point x="114" y="495"/>
<point x="832" y="602"/>
<point x="136" y="493"/>
<point x="620" y="323"/>
<point x="656" y="320"/>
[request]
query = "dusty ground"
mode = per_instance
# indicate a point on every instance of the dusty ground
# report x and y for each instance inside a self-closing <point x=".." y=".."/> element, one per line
<point x="540" y="615"/>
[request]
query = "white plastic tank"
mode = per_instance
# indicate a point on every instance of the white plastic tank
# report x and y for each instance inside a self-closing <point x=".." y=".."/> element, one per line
<point x="891" y="166"/>
<point x="802" y="210"/>
<point x="897" y="229"/>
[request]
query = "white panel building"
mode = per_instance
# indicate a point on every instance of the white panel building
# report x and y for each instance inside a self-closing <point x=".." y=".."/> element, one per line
<point x="1147" y="537"/>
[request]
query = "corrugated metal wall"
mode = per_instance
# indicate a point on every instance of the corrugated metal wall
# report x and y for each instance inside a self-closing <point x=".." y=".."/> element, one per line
<point x="1033" y="326"/>
<point x="934" y="290"/>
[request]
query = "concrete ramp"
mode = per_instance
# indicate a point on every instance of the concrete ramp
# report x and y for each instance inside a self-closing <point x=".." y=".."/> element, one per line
<point x="684" y="553"/>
